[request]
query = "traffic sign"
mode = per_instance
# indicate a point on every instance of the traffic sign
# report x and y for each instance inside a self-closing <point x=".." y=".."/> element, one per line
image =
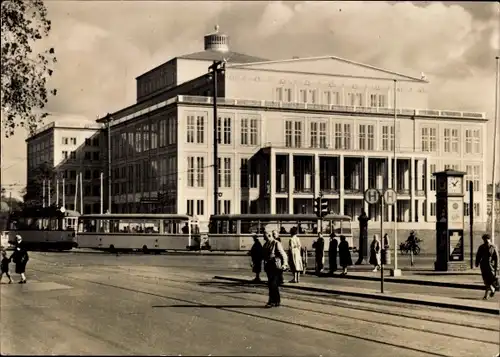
<point x="372" y="196"/>
<point x="390" y="196"/>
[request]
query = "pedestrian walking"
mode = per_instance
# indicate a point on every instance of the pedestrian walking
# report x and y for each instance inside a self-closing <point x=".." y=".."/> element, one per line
<point x="20" y="257"/>
<point x="332" y="253"/>
<point x="319" y="247"/>
<point x="275" y="261"/>
<point x="276" y="236"/>
<point x="256" y="258"/>
<point x="386" y="250"/>
<point x="487" y="260"/>
<point x="375" y="257"/>
<point x="344" y="255"/>
<point x="5" y="266"/>
<point x="295" y="249"/>
<point x="412" y="243"/>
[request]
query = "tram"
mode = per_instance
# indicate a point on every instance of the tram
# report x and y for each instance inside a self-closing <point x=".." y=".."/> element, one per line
<point x="44" y="228"/>
<point x="235" y="232"/>
<point x="150" y="233"/>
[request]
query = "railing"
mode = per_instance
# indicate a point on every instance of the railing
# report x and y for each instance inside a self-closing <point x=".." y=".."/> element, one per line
<point x="403" y="191"/>
<point x="330" y="191"/>
<point x="352" y="191"/>
<point x="302" y="106"/>
<point x="306" y="191"/>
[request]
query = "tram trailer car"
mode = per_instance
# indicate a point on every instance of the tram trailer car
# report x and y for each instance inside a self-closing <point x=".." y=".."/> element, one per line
<point x="235" y="232"/>
<point x="149" y="233"/>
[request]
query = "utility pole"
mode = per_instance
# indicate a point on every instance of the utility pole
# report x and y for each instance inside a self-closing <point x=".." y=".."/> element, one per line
<point x="214" y="69"/>
<point x="395" y="271"/>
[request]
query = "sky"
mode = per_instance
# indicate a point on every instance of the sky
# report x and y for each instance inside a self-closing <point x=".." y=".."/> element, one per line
<point x="101" y="46"/>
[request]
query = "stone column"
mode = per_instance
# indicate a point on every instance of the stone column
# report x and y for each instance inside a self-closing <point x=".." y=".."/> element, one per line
<point x="272" y="181"/>
<point x="341" y="184"/>
<point x="389" y="185"/>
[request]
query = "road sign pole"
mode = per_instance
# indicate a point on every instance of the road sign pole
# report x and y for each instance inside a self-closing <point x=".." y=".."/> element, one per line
<point x="381" y="244"/>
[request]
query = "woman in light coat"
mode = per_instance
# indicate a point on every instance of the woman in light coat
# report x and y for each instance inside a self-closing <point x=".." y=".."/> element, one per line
<point x="294" y="249"/>
<point x="375" y="249"/>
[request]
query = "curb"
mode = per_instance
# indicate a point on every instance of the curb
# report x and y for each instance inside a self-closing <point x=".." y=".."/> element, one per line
<point x="441" y="284"/>
<point x="454" y="306"/>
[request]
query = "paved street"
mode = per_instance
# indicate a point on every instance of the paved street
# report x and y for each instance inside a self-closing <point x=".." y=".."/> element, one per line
<point x="227" y="264"/>
<point x="103" y="304"/>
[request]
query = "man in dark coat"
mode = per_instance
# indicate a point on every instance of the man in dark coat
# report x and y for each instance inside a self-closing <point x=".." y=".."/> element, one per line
<point x="332" y="253"/>
<point x="363" y="237"/>
<point x="20" y="257"/>
<point x="319" y="247"/>
<point x="487" y="260"/>
<point x="256" y="255"/>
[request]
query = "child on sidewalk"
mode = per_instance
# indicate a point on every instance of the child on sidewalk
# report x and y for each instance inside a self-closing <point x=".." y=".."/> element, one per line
<point x="5" y="266"/>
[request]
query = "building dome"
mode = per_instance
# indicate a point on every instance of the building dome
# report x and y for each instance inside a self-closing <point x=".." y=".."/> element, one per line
<point x="217" y="41"/>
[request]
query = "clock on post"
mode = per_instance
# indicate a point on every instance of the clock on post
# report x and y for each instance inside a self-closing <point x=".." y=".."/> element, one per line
<point x="449" y="220"/>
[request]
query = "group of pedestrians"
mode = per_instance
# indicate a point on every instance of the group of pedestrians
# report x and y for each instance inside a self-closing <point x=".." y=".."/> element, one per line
<point x="20" y="258"/>
<point x="276" y="260"/>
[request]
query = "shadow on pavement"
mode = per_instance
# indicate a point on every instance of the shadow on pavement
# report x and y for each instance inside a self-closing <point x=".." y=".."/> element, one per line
<point x="260" y="306"/>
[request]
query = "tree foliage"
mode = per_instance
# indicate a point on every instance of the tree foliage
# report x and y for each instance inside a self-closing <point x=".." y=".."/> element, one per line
<point x="24" y="71"/>
<point x="33" y="192"/>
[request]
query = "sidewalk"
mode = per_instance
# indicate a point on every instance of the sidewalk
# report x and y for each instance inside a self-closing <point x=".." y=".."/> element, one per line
<point x="486" y="307"/>
<point x="469" y="279"/>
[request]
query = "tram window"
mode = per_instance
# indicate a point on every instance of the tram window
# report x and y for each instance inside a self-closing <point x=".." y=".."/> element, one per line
<point x="212" y="227"/>
<point x="286" y="227"/>
<point x="249" y="227"/>
<point x="307" y="228"/>
<point x="89" y="226"/>
<point x="171" y="227"/>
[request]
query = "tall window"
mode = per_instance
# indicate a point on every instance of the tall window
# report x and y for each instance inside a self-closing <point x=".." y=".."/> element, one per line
<point x="244" y="173"/>
<point x="200" y="129"/>
<point x="224" y="172"/>
<point x="154" y="136"/>
<point x="249" y="130"/>
<point x="279" y="94"/>
<point x="362" y="137"/>
<point x="200" y="207"/>
<point x="355" y="99"/>
<point x="303" y="96"/>
<point x="200" y="171"/>
<point x="371" y="137"/>
<point x="313" y="95"/>
<point x="473" y="175"/>
<point x="451" y="140"/>
<point x="191" y="170"/>
<point x="293" y="134"/>
<point x="387" y="137"/>
<point x="314" y="134"/>
<point x="330" y="97"/>
<point x="347" y="136"/>
<point x="377" y="100"/>
<point x="338" y="136"/>
<point x="288" y="95"/>
<point x="190" y="207"/>
<point x="145" y="135"/>
<point x="224" y="130"/>
<point x="429" y="139"/>
<point x="322" y="135"/>
<point x="224" y="206"/>
<point x="298" y="134"/>
<point x="318" y="135"/>
<point x="472" y="141"/>
<point x="433" y="178"/>
<point x="190" y="129"/>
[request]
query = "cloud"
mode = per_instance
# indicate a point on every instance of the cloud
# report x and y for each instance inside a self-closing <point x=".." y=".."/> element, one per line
<point x="103" y="45"/>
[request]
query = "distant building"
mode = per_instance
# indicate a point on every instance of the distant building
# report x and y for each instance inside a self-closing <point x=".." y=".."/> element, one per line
<point x="287" y="130"/>
<point x="67" y="149"/>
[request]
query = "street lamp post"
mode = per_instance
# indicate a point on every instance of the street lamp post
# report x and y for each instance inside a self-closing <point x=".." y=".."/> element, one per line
<point x="495" y="139"/>
<point x="395" y="271"/>
<point x="214" y="69"/>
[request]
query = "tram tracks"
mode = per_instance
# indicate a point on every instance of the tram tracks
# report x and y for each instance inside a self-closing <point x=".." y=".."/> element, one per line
<point x="230" y="294"/>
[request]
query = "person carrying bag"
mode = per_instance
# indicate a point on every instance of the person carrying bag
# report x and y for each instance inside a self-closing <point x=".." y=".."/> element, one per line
<point x="275" y="261"/>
